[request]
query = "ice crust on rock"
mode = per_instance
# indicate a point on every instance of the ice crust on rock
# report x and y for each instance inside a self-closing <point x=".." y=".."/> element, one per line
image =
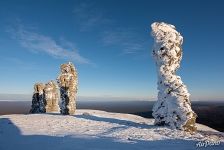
<point x="38" y="101"/>
<point x="51" y="95"/>
<point x="173" y="106"/>
<point x="68" y="82"/>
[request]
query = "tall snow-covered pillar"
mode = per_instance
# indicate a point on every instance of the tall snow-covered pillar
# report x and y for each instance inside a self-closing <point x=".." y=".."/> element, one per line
<point x="68" y="82"/>
<point x="51" y="96"/>
<point x="38" y="101"/>
<point x="173" y="106"/>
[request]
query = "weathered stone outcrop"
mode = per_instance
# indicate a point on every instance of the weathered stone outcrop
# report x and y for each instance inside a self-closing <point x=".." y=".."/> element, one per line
<point x="68" y="81"/>
<point x="173" y="106"/>
<point x="51" y="96"/>
<point x="38" y="101"/>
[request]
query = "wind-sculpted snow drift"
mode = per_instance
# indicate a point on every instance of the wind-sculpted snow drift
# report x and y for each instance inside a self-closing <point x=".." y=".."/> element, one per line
<point x="173" y="107"/>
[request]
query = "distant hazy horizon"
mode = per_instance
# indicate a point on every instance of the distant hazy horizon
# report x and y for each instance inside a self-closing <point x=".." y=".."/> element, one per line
<point x="28" y="97"/>
<point x="121" y="106"/>
<point x="210" y="112"/>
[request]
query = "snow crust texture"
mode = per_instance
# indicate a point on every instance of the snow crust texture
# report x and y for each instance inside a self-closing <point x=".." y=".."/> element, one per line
<point x="68" y="82"/>
<point x="173" y="106"/>
<point x="98" y="130"/>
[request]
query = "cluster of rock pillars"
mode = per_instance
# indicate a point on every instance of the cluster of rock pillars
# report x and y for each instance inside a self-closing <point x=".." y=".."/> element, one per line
<point x="173" y="107"/>
<point x="46" y="96"/>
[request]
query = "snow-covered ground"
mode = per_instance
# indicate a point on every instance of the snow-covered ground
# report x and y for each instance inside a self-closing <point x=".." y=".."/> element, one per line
<point x="98" y="130"/>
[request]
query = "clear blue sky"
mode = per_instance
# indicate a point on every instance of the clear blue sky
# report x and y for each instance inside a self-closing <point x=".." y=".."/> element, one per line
<point x="110" y="44"/>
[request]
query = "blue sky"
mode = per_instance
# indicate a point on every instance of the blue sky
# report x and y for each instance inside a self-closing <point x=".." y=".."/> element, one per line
<point x="110" y="44"/>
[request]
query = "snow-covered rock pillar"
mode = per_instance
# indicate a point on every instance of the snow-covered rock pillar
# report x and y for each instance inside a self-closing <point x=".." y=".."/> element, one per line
<point x="173" y="106"/>
<point x="68" y="81"/>
<point x="51" y="96"/>
<point x="38" y="101"/>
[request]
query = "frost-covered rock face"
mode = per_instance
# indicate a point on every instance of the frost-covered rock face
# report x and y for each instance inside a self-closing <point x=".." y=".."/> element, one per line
<point x="173" y="107"/>
<point x="68" y="81"/>
<point x="51" y="96"/>
<point x="38" y="101"/>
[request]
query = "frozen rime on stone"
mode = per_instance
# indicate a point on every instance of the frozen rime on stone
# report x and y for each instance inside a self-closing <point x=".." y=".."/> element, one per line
<point x="68" y="81"/>
<point x="38" y="101"/>
<point x="51" y="96"/>
<point x="173" y="106"/>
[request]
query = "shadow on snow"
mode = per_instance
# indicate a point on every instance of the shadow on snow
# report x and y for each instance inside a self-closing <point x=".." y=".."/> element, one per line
<point x="11" y="138"/>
